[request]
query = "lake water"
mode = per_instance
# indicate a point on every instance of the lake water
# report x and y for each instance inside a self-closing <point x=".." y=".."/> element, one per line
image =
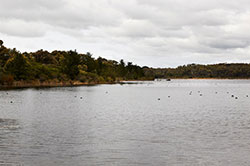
<point x="181" y="122"/>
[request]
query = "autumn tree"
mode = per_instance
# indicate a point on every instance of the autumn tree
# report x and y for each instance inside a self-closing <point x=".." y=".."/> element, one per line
<point x="19" y="66"/>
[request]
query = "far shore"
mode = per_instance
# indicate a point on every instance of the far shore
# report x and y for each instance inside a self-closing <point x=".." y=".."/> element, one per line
<point x="214" y="78"/>
<point x="206" y="78"/>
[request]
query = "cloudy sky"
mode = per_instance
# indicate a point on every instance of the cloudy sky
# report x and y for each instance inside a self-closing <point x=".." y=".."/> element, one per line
<point x="156" y="33"/>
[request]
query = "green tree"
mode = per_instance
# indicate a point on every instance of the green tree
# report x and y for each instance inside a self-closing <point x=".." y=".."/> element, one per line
<point x="1" y="43"/>
<point x="90" y="62"/>
<point x="19" y="66"/>
<point x="121" y="68"/>
<point x="70" y="63"/>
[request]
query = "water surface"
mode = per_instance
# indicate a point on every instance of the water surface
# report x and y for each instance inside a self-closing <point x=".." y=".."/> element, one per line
<point x="181" y="122"/>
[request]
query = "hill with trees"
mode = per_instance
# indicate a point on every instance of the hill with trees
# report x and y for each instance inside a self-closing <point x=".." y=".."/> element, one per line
<point x="60" y="68"/>
<point x="221" y="71"/>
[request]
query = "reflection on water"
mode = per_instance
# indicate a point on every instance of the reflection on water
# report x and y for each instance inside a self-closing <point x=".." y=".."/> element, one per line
<point x="195" y="122"/>
<point x="10" y="124"/>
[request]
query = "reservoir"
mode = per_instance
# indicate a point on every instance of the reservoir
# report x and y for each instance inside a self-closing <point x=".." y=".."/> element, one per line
<point x="148" y="123"/>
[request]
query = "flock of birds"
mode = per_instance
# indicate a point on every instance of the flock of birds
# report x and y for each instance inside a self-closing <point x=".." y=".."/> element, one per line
<point x="41" y="93"/>
<point x="199" y="92"/>
<point x="233" y="96"/>
<point x="190" y="93"/>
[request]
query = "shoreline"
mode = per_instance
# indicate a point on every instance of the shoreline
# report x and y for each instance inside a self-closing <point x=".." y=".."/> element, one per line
<point x="51" y="84"/>
<point x="206" y="78"/>
<point x="211" y="78"/>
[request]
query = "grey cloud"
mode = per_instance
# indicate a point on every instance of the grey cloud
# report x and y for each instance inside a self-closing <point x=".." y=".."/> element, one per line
<point x="227" y="43"/>
<point x="22" y="28"/>
<point x="30" y="4"/>
<point x="148" y="32"/>
<point x="71" y="14"/>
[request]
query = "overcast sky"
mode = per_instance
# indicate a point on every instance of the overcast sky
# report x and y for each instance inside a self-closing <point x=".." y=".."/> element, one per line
<point x="156" y="33"/>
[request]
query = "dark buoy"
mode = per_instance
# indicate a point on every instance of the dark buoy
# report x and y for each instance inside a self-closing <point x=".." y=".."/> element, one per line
<point x="80" y="97"/>
<point x="11" y="101"/>
<point x="247" y="96"/>
<point x="7" y="93"/>
<point x="159" y="99"/>
<point x="236" y="97"/>
<point x="216" y="92"/>
<point x="200" y="94"/>
<point x="232" y="96"/>
<point x="168" y="96"/>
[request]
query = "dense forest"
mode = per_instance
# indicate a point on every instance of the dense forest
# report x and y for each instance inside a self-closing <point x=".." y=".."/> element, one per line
<point x="222" y="70"/>
<point x="70" y="66"/>
<point x="62" y="66"/>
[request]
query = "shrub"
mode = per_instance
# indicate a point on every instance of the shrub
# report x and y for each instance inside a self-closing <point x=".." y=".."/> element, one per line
<point x="6" y="79"/>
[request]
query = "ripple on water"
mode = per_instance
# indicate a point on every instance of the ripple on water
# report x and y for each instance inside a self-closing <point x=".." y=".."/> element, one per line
<point x="10" y="124"/>
<point x="129" y="126"/>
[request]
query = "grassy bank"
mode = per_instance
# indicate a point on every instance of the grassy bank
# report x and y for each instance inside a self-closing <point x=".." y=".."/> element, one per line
<point x="56" y="83"/>
<point x="51" y="83"/>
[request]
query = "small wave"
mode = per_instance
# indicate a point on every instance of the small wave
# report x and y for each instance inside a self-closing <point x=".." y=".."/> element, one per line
<point x="11" y="124"/>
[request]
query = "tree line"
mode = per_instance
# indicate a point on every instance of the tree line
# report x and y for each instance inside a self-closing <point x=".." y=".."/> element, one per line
<point x="222" y="70"/>
<point x="63" y="66"/>
<point x="59" y="66"/>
